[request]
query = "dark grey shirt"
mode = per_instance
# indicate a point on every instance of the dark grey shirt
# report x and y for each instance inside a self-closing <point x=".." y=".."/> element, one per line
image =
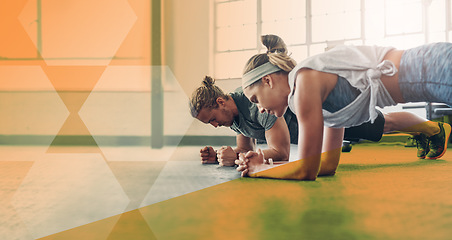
<point x="252" y="123"/>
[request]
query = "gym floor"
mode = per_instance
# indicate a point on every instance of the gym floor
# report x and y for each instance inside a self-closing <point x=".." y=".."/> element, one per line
<point x="379" y="192"/>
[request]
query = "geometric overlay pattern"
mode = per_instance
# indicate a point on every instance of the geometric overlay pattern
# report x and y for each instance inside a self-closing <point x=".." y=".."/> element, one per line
<point x="79" y="71"/>
<point x="54" y="195"/>
<point x="29" y="103"/>
<point x="388" y="195"/>
<point x="81" y="32"/>
<point x="73" y="91"/>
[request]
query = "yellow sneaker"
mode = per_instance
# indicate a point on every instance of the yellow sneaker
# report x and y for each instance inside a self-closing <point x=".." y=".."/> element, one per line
<point x="421" y="141"/>
<point x="438" y="142"/>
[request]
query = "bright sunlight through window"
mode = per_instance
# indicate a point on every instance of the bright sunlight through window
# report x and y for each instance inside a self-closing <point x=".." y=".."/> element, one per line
<point x="310" y="26"/>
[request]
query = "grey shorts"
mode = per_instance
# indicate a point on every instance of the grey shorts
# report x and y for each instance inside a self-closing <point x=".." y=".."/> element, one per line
<point x="425" y="73"/>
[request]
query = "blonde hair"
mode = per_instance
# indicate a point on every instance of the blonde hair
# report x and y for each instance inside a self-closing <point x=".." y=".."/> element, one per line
<point x="276" y="54"/>
<point x="206" y="96"/>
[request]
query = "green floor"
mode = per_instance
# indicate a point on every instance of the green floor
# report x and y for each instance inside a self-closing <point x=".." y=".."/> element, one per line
<point x="379" y="192"/>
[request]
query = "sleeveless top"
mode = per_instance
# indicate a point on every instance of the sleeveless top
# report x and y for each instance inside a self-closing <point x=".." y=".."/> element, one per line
<point x="362" y="67"/>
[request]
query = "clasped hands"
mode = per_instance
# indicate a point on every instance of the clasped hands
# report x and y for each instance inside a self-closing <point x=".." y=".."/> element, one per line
<point x="248" y="163"/>
<point x="251" y="162"/>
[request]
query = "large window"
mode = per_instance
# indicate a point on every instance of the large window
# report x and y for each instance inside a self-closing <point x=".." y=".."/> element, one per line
<point x="310" y="26"/>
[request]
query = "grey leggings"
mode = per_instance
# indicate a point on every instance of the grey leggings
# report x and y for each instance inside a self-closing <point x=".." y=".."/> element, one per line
<point x="425" y="73"/>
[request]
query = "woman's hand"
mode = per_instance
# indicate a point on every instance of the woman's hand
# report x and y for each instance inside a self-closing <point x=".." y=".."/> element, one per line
<point x="251" y="163"/>
<point x="226" y="156"/>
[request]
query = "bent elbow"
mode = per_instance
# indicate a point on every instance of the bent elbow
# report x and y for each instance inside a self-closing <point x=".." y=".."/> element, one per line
<point x="311" y="177"/>
<point x="286" y="153"/>
<point x="328" y="170"/>
<point x="285" y="156"/>
<point x="282" y="156"/>
<point x="328" y="173"/>
<point x="308" y="175"/>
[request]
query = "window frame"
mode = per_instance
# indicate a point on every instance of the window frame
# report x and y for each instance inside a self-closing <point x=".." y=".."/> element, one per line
<point x="310" y="44"/>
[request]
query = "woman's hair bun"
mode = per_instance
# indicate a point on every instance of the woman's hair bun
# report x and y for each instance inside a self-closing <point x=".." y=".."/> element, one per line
<point x="274" y="44"/>
<point x="208" y="81"/>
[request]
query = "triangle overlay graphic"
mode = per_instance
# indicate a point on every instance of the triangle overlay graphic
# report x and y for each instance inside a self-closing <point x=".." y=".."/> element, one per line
<point x="73" y="84"/>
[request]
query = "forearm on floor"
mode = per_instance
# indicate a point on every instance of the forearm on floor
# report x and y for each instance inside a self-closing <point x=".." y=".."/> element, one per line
<point x="329" y="162"/>
<point x="296" y="170"/>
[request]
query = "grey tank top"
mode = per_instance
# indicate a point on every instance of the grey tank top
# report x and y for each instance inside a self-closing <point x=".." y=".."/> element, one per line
<point x="341" y="95"/>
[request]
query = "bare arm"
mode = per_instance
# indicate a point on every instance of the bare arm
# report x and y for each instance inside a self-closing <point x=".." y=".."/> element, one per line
<point x="244" y="144"/>
<point x="278" y="141"/>
<point x="329" y="160"/>
<point x="308" y="107"/>
<point x="331" y="152"/>
<point x="310" y="91"/>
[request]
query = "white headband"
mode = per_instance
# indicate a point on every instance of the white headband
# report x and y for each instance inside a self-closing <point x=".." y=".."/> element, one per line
<point x="257" y="73"/>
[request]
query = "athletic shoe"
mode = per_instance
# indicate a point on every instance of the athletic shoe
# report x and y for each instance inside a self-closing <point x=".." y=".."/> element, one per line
<point x="438" y="142"/>
<point x="410" y="142"/>
<point x="421" y="144"/>
<point x="346" y="148"/>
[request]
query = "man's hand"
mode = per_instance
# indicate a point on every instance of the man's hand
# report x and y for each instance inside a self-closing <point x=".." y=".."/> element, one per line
<point x="226" y="156"/>
<point x="208" y="155"/>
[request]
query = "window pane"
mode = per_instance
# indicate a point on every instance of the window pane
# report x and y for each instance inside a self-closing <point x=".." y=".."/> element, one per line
<point x="236" y="37"/>
<point x="336" y="26"/>
<point x="352" y="5"/>
<point x="397" y="23"/>
<point x="235" y="13"/>
<point x="229" y="85"/>
<point x="374" y="19"/>
<point x="333" y="27"/>
<point x="236" y="25"/>
<point x="283" y="9"/>
<point x="222" y="14"/>
<point x="437" y="37"/>
<point x="354" y="42"/>
<point x="243" y="37"/>
<point x="319" y="28"/>
<point x="377" y="42"/>
<point x="291" y="31"/>
<point x="231" y="64"/>
<point x="373" y="26"/>
<point x="406" y="41"/>
<point x="437" y="16"/>
<point x="374" y="5"/>
<point x="315" y="49"/>
<point x="298" y="53"/>
<point x="403" y="16"/>
<point x="323" y="7"/>
<point x="222" y="38"/>
<point x="351" y="25"/>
